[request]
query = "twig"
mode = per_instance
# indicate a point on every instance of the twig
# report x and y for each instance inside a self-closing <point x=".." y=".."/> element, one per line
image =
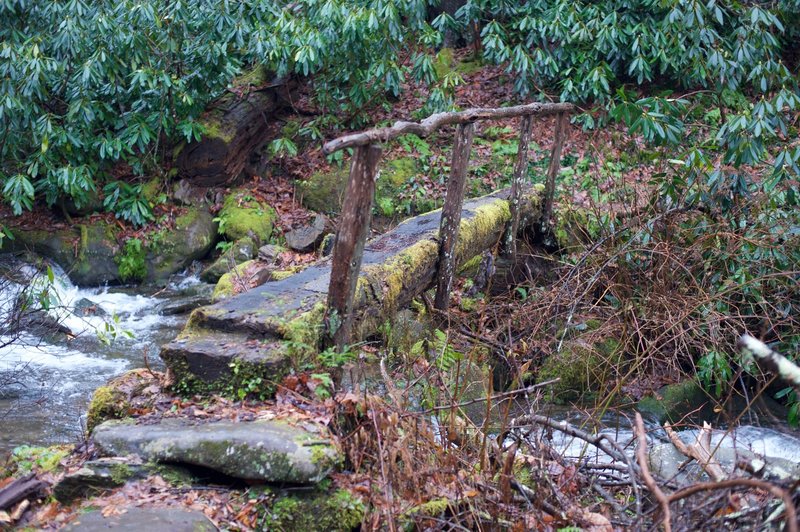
<point x="504" y="395"/>
<point x="791" y="512"/>
<point x="641" y="456"/>
<point x="601" y="441"/>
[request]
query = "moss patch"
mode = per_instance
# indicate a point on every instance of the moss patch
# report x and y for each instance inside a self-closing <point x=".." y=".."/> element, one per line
<point x="581" y="366"/>
<point x="338" y="511"/>
<point x="674" y="401"/>
<point x="25" y="459"/>
<point x="243" y="216"/>
<point x="105" y="404"/>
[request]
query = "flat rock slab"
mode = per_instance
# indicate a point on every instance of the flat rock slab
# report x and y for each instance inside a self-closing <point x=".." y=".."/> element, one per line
<point x="269" y="451"/>
<point x="148" y="519"/>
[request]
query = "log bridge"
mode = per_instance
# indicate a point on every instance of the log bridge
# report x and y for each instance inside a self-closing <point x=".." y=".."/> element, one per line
<point x="253" y="339"/>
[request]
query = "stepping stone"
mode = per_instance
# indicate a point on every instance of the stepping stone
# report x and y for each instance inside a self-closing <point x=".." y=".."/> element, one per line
<point x="269" y="451"/>
<point x="138" y="519"/>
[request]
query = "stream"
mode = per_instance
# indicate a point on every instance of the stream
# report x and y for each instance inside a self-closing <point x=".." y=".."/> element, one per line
<point x="46" y="382"/>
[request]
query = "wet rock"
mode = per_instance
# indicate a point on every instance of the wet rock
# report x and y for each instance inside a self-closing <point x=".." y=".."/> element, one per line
<point x="186" y="304"/>
<point x="306" y="238"/>
<point x="138" y="519"/>
<point x="193" y="236"/>
<point x="269" y="253"/>
<point x="85" y="307"/>
<point x="40" y="323"/>
<point x="270" y="451"/>
<point x="85" y="252"/>
<point x="241" y="278"/>
<point x="241" y="251"/>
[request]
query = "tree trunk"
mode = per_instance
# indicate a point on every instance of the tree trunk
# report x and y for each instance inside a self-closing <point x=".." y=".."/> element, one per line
<point x="236" y="125"/>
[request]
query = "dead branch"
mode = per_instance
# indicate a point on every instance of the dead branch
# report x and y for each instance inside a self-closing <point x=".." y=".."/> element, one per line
<point x="791" y="512"/>
<point x="641" y="455"/>
<point x="438" y="120"/>
<point x="770" y="360"/>
<point x="19" y="489"/>
<point x="700" y="450"/>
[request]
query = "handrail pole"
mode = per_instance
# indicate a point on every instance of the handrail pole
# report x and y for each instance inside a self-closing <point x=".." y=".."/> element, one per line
<point x="451" y="213"/>
<point x="349" y="248"/>
<point x="518" y="183"/>
<point x="559" y="136"/>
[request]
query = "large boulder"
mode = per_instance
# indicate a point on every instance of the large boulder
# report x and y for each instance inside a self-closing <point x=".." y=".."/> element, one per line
<point x="91" y="254"/>
<point x="270" y="451"/>
<point x="86" y="252"/>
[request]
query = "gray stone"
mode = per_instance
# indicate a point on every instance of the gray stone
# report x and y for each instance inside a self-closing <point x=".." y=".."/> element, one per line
<point x="85" y="252"/>
<point x="666" y="461"/>
<point x="271" y="451"/>
<point x="194" y="235"/>
<point x="241" y="251"/>
<point x="269" y="253"/>
<point x="138" y="519"/>
<point x="103" y="474"/>
<point x="97" y="476"/>
<point x="186" y="194"/>
<point x="306" y="238"/>
<point x="85" y="307"/>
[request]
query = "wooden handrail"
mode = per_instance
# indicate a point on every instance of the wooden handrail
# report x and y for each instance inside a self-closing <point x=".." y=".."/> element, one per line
<point x="357" y="207"/>
<point x="434" y="122"/>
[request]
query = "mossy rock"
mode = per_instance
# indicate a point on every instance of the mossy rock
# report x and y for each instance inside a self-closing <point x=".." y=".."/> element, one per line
<point x="674" y="401"/>
<point x="243" y="216"/>
<point x="323" y="191"/>
<point x="86" y="252"/>
<point x="446" y="62"/>
<point x="581" y="366"/>
<point x="241" y="251"/>
<point x="322" y="511"/>
<point x="133" y="389"/>
<point x="192" y="238"/>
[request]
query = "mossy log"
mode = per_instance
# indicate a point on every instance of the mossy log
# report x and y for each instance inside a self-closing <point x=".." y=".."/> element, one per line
<point x="260" y="334"/>
<point x="236" y="124"/>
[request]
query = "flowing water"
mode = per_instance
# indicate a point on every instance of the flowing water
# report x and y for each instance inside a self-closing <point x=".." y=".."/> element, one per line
<point x="47" y="382"/>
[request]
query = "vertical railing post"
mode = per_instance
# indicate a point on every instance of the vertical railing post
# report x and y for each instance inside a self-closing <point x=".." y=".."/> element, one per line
<point x="520" y="173"/>
<point x="350" y="238"/>
<point x="552" y="171"/>
<point x="451" y="213"/>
